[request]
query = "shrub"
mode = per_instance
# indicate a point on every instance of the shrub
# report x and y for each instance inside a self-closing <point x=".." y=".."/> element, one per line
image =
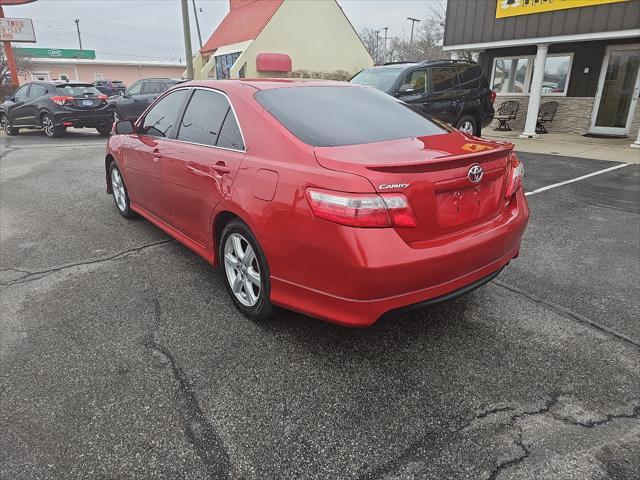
<point x="339" y="75"/>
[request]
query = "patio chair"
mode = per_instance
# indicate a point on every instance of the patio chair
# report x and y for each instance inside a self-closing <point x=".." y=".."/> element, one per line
<point x="545" y="115"/>
<point x="506" y="112"/>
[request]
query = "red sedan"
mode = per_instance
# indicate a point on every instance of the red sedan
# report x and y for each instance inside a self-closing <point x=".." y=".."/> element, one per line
<point x="330" y="199"/>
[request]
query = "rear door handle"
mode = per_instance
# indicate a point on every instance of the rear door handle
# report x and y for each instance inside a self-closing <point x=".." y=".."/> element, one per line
<point x="220" y="167"/>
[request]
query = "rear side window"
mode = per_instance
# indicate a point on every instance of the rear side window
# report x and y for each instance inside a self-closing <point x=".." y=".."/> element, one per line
<point x="153" y="87"/>
<point x="441" y="79"/>
<point x="469" y="76"/>
<point x="37" y="91"/>
<point x="163" y="115"/>
<point x="203" y="118"/>
<point x="230" y="136"/>
<point x="336" y="116"/>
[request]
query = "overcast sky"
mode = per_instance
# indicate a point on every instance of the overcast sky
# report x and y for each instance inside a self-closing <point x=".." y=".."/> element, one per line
<point x="152" y="29"/>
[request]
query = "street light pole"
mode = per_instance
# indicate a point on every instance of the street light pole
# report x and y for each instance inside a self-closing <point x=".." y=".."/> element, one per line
<point x="187" y="39"/>
<point x="413" y="22"/>
<point x="377" y="43"/>
<point x="195" y="14"/>
<point x="77" y="21"/>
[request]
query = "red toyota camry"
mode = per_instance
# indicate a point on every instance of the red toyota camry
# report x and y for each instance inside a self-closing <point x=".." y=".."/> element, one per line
<point x="330" y="199"/>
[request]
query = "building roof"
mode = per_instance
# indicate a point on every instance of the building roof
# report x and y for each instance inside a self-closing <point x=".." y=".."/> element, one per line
<point x="244" y="22"/>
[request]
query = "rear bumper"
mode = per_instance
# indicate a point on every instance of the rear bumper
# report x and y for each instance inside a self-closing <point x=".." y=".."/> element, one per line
<point x="388" y="276"/>
<point x="90" y="119"/>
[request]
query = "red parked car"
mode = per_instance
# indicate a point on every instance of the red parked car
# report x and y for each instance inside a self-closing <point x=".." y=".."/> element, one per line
<point x="330" y="199"/>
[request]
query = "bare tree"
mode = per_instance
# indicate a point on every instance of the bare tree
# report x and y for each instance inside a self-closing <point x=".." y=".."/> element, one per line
<point x="23" y="63"/>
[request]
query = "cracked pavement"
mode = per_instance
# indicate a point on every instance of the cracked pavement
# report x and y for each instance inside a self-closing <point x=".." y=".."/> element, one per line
<point x="122" y="357"/>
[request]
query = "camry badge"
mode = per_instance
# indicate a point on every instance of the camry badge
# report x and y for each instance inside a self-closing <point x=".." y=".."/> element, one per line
<point x="386" y="186"/>
<point x="475" y="173"/>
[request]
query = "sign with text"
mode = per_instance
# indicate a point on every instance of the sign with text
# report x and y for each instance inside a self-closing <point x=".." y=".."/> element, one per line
<point x="17" y="30"/>
<point x="55" y="53"/>
<point x="513" y="8"/>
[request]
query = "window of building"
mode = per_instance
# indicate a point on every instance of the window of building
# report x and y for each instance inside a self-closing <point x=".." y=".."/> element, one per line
<point x="512" y="75"/>
<point x="162" y="117"/>
<point x="64" y="77"/>
<point x="224" y="64"/>
<point x="203" y="118"/>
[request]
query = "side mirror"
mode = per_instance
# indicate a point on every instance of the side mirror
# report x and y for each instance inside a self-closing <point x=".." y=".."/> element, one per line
<point x="9" y="98"/>
<point x="406" y="89"/>
<point x="124" y="127"/>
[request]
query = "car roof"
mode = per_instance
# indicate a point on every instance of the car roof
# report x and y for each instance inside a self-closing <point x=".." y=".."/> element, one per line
<point x="269" y="83"/>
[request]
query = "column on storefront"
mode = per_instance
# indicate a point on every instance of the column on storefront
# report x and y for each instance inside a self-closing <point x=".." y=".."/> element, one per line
<point x="535" y="92"/>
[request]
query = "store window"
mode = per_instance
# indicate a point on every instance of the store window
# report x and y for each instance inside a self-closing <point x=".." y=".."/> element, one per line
<point x="512" y="75"/>
<point x="224" y="64"/>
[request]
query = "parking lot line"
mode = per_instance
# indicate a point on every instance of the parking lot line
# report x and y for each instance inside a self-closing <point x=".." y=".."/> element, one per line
<point x="577" y="179"/>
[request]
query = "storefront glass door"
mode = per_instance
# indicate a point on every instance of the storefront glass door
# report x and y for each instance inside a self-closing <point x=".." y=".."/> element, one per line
<point x="617" y="94"/>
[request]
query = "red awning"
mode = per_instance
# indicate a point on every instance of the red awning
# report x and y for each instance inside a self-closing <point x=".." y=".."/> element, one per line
<point x="273" y="62"/>
<point x="244" y="22"/>
<point x="15" y="2"/>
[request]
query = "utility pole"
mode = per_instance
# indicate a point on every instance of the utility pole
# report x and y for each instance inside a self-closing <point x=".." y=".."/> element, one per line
<point x="195" y="14"/>
<point x="377" y="32"/>
<point x="77" y="21"/>
<point x="187" y="39"/>
<point x="413" y="22"/>
<point x="385" y="42"/>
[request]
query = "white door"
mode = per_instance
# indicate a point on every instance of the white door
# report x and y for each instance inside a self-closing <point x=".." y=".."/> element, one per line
<point x="618" y="89"/>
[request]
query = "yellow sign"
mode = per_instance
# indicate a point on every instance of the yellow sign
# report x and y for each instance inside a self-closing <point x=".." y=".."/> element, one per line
<point x="513" y="8"/>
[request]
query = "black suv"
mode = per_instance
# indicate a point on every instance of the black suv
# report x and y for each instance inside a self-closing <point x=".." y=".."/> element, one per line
<point x="110" y="87"/>
<point x="139" y="96"/>
<point x="454" y="91"/>
<point x="54" y="106"/>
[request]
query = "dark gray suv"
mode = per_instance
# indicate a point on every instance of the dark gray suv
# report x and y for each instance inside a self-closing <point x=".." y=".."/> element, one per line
<point x="135" y="99"/>
<point x="454" y="91"/>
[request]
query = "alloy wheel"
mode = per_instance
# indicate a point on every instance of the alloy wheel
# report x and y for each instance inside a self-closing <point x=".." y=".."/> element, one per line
<point x="47" y="125"/>
<point x="117" y="185"/>
<point x="466" y="127"/>
<point x="242" y="269"/>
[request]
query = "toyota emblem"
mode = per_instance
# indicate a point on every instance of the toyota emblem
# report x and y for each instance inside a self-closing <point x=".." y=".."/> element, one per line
<point x="475" y="173"/>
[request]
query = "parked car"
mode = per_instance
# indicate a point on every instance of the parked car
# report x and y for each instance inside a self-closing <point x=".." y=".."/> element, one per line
<point x="110" y="87"/>
<point x="334" y="200"/>
<point x="454" y="91"/>
<point x="139" y="95"/>
<point x="54" y="106"/>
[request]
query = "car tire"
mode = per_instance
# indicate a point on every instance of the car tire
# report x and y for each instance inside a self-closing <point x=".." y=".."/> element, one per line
<point x="469" y="125"/>
<point x="50" y="128"/>
<point x="246" y="271"/>
<point x="119" y="192"/>
<point x="104" y="130"/>
<point x="6" y="125"/>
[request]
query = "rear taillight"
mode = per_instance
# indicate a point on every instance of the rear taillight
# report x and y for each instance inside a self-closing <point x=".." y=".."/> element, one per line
<point x="362" y="209"/>
<point x="102" y="98"/>
<point x="516" y="173"/>
<point x="492" y="96"/>
<point x="62" y="99"/>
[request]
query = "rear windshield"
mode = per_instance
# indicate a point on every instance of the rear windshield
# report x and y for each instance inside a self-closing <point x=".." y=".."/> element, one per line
<point x="380" y="78"/>
<point x="336" y="116"/>
<point x="75" y="90"/>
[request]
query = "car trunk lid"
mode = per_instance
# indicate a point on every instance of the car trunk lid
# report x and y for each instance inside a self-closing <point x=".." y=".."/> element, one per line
<point x="434" y="174"/>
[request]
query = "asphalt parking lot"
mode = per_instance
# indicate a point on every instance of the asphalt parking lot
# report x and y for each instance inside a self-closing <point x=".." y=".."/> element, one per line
<point x="122" y="356"/>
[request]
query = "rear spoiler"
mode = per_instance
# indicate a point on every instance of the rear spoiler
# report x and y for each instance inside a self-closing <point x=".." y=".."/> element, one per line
<point x="484" y="155"/>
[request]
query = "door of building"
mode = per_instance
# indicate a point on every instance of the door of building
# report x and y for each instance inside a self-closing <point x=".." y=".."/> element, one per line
<point x="618" y="90"/>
